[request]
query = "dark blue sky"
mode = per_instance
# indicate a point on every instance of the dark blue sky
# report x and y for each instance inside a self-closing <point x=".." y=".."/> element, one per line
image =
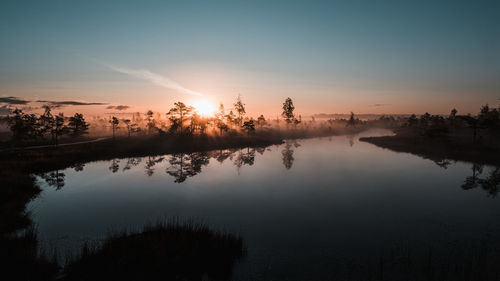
<point x="330" y="56"/>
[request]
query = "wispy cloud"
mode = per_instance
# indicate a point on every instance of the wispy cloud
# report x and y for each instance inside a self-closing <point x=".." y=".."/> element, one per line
<point x="13" y="100"/>
<point x="63" y="103"/>
<point x="379" y="104"/>
<point x="154" y="78"/>
<point x="118" y="107"/>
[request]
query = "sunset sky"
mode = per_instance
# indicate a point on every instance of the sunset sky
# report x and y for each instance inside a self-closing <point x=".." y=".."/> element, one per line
<point x="328" y="56"/>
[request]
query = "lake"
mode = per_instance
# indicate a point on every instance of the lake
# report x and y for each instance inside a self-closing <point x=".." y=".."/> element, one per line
<point x="303" y="207"/>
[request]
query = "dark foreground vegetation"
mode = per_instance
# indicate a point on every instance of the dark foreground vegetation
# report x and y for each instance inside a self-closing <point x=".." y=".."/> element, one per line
<point x="456" y="137"/>
<point x="166" y="251"/>
<point x="169" y="251"/>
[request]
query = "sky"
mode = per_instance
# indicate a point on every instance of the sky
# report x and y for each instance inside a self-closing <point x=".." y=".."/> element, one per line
<point x="328" y="56"/>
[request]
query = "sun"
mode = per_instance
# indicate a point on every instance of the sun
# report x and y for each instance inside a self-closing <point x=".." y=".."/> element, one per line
<point x="204" y="107"/>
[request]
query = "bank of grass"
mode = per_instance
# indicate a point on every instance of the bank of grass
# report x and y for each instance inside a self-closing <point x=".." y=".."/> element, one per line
<point x="437" y="148"/>
<point x="165" y="250"/>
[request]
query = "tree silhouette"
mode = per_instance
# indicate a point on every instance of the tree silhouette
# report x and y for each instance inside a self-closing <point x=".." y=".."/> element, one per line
<point x="59" y="127"/>
<point x="178" y="115"/>
<point x="221" y="113"/>
<point x="220" y="116"/>
<point x="249" y="126"/>
<point x="77" y="125"/>
<point x="231" y="118"/>
<point x="128" y="124"/>
<point x="114" y="124"/>
<point x="352" y="121"/>
<point x="131" y="127"/>
<point x="474" y="124"/>
<point x="288" y="109"/>
<point x="197" y="124"/>
<point x="261" y="121"/>
<point x="150" y="121"/>
<point x="47" y="122"/>
<point x="23" y="126"/>
<point x="239" y="106"/>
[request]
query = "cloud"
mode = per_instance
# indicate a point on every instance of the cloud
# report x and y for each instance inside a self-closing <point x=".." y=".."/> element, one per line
<point x="13" y="100"/>
<point x="379" y="104"/>
<point x="154" y="78"/>
<point x="118" y="107"/>
<point x="63" y="103"/>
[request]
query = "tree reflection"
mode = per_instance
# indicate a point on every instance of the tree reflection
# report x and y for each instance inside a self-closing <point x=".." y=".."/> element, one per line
<point x="151" y="162"/>
<point x="223" y="154"/>
<point x="260" y="150"/>
<point x="114" y="165"/>
<point x="131" y="162"/>
<point x="184" y="165"/>
<point x="54" y="179"/>
<point x="472" y="181"/>
<point x="351" y="140"/>
<point x="78" y="167"/>
<point x="490" y="183"/>
<point x="244" y="158"/>
<point x="287" y="153"/>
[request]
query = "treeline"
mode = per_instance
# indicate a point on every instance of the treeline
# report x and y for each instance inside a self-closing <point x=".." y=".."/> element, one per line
<point x="30" y="127"/>
<point x="486" y="124"/>
<point x="182" y="120"/>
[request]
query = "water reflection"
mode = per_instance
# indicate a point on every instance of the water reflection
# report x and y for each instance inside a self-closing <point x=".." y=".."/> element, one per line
<point x="244" y="158"/>
<point x="78" y="167"/>
<point x="182" y="166"/>
<point x="151" y="163"/>
<point x="54" y="179"/>
<point x="287" y="153"/>
<point x="134" y="161"/>
<point x="490" y="183"/>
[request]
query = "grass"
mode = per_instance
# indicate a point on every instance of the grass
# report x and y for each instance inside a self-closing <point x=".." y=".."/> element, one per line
<point x="165" y="250"/>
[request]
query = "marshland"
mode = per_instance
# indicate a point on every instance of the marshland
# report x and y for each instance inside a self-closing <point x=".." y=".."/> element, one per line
<point x="249" y="140"/>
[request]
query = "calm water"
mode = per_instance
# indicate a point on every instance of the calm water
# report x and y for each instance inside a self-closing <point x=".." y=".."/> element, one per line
<point x="300" y="206"/>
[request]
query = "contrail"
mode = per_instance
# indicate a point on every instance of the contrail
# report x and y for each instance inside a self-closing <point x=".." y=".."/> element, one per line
<point x="154" y="78"/>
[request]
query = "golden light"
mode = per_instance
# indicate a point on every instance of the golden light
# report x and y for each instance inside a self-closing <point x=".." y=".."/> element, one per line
<point x="204" y="107"/>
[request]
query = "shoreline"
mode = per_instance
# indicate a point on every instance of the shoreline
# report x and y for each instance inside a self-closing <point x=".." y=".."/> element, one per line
<point x="438" y="149"/>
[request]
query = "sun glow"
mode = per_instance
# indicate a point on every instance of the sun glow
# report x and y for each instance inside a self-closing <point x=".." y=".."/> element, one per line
<point x="204" y="107"/>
